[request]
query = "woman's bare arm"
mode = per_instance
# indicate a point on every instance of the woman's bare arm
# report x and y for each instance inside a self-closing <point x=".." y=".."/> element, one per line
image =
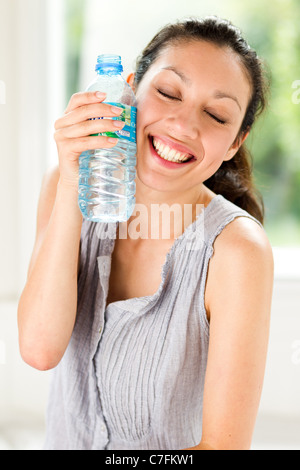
<point x="47" y="306"/>
<point x="238" y="301"/>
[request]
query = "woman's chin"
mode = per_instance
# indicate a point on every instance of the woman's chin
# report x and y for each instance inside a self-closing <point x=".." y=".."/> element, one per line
<point x="152" y="181"/>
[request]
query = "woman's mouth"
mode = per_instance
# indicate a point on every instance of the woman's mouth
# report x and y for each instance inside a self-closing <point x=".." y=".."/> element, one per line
<point x="170" y="154"/>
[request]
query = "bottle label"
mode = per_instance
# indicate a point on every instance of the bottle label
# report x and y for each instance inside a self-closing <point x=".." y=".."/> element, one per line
<point x="129" y="116"/>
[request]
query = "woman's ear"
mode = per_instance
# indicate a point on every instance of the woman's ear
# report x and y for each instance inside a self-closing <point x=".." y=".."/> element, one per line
<point x="236" y="145"/>
<point x="130" y="81"/>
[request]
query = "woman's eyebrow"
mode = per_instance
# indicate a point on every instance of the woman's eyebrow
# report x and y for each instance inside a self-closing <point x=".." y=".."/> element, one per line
<point x="218" y="93"/>
<point x="180" y="74"/>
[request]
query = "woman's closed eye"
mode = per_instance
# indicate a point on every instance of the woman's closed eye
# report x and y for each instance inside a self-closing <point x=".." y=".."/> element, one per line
<point x="176" y="98"/>
<point x="167" y="95"/>
<point x="216" y="118"/>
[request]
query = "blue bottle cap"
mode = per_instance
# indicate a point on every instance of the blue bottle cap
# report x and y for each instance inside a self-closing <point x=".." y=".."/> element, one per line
<point x="109" y="62"/>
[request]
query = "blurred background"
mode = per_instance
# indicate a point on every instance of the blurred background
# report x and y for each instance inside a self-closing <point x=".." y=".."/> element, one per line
<point x="48" y="50"/>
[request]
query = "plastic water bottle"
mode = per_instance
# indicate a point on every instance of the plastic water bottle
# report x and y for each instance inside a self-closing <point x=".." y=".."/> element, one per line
<point x="107" y="176"/>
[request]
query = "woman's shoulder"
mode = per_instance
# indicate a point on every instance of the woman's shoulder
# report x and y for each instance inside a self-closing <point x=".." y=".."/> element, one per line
<point x="241" y="243"/>
<point x="233" y="227"/>
<point x="243" y="236"/>
<point x="242" y="249"/>
<point x="242" y="256"/>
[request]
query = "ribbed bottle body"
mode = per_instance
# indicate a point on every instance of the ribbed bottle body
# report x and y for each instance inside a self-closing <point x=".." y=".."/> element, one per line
<point x="107" y="176"/>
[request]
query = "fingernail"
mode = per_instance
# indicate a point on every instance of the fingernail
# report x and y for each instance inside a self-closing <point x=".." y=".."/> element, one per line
<point x="100" y="95"/>
<point x="111" y="140"/>
<point x="119" y="124"/>
<point x="116" y="110"/>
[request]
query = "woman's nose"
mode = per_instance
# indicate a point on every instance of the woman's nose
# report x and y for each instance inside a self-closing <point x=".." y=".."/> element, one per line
<point x="184" y="123"/>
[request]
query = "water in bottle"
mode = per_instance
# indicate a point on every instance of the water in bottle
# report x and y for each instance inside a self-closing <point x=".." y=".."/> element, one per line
<point x="107" y="176"/>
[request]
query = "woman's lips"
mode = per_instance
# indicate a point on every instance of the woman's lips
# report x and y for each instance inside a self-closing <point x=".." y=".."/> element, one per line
<point x="167" y="163"/>
<point x="174" y="145"/>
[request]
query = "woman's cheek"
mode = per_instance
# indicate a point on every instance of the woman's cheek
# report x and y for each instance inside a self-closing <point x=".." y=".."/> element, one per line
<point x="217" y="146"/>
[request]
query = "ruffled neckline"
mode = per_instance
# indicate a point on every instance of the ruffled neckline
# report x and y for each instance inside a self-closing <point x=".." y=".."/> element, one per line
<point x="139" y="305"/>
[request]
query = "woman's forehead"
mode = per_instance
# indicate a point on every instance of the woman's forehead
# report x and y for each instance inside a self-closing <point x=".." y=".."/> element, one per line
<point x="200" y="61"/>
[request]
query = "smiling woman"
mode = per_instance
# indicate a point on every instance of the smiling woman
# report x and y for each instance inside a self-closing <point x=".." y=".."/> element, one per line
<point x="222" y="45"/>
<point x="158" y="343"/>
<point x="190" y="109"/>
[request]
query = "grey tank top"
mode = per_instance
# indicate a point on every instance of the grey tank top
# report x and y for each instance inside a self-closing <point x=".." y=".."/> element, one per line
<point x="133" y="374"/>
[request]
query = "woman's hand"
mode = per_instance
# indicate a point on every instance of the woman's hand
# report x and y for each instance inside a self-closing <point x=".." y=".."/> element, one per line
<point x="75" y="131"/>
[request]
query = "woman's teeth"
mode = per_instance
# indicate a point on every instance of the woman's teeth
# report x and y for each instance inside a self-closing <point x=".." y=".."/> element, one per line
<point x="169" y="154"/>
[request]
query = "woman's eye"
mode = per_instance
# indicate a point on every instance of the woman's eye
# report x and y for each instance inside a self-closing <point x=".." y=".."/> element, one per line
<point x="220" y="121"/>
<point x="166" y="95"/>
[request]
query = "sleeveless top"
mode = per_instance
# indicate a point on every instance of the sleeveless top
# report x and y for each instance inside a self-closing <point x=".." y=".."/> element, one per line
<point x="133" y="374"/>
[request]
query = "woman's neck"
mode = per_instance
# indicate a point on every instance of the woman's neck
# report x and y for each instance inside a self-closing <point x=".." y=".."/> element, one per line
<point x="165" y="215"/>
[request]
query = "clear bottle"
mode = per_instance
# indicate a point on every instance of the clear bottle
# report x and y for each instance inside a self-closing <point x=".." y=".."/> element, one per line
<point x="107" y="176"/>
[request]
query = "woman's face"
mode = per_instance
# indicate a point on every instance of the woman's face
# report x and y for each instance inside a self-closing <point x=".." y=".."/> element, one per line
<point x="191" y="102"/>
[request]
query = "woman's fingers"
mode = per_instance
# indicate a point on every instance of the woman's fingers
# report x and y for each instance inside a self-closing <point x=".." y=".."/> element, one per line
<point x="90" y="127"/>
<point x="82" y="144"/>
<point x="78" y="130"/>
<point x="83" y="98"/>
<point x="85" y="112"/>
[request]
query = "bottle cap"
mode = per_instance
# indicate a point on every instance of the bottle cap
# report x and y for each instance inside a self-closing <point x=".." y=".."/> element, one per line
<point x="109" y="62"/>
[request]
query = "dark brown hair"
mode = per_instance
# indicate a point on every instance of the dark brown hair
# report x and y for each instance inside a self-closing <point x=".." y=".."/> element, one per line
<point x="234" y="179"/>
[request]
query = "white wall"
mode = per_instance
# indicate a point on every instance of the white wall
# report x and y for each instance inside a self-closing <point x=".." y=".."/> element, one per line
<point x="8" y="154"/>
<point x="281" y="394"/>
<point x="125" y="27"/>
<point x="32" y="74"/>
<point x="30" y="71"/>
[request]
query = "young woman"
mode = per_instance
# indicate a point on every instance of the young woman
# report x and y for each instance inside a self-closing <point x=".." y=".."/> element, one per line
<point x="158" y="343"/>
